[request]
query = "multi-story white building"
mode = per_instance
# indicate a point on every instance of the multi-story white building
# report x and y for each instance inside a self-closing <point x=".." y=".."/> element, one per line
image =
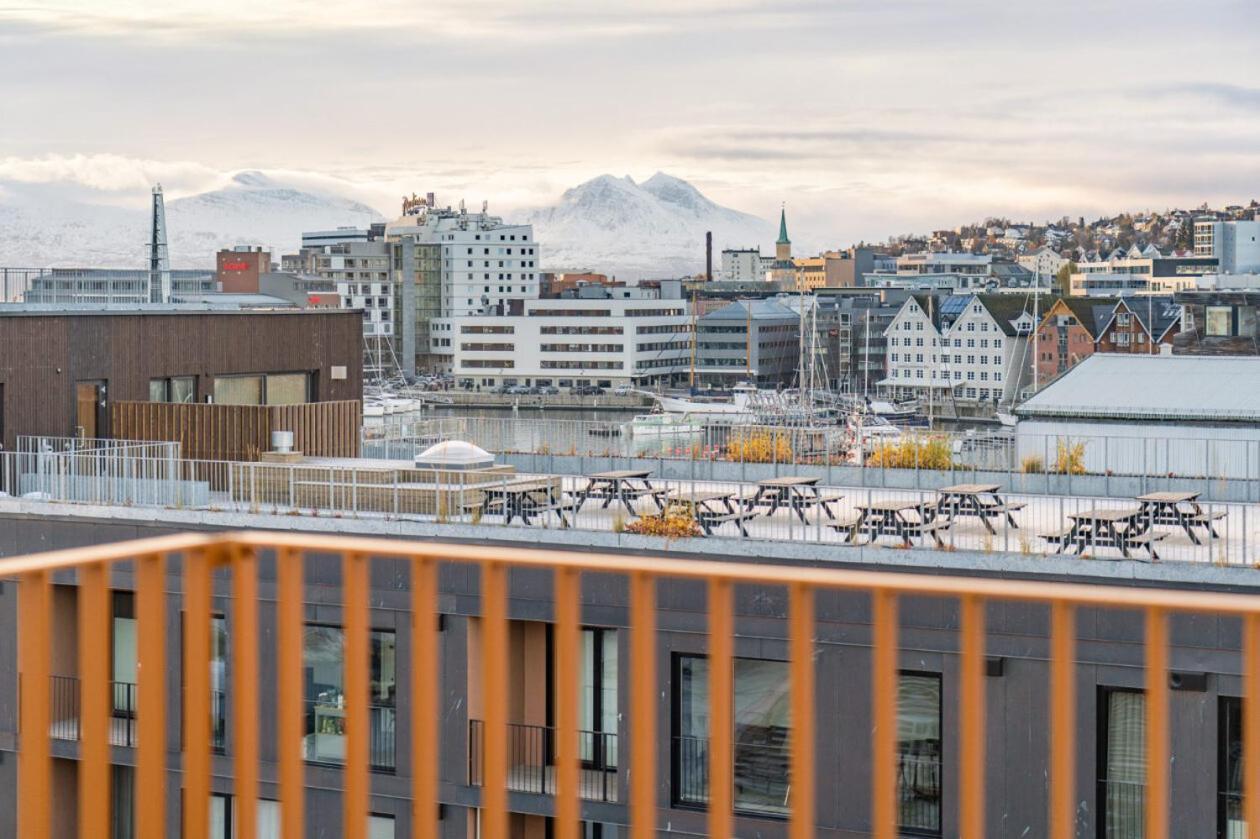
<point x="1234" y="244"/>
<point x="361" y="272"/>
<point x="484" y="261"/>
<point x="969" y="348"/>
<point x="1139" y="271"/>
<point x="960" y="272"/>
<point x="743" y="265"/>
<point x="1044" y="263"/>
<point x="623" y="336"/>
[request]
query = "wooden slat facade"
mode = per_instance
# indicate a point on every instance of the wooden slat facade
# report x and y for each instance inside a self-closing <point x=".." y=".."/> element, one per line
<point x="44" y="355"/>
<point x="241" y="432"/>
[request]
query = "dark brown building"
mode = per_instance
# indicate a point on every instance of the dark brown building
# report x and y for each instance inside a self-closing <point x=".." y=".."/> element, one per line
<point x="1141" y="325"/>
<point x="59" y="370"/>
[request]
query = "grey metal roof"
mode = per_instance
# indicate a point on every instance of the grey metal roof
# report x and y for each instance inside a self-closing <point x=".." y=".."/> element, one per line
<point x="761" y="310"/>
<point x="1153" y="387"/>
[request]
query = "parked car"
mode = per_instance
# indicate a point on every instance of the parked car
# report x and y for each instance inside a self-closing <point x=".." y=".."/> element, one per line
<point x="623" y="390"/>
<point x="548" y="390"/>
<point x="587" y="390"/>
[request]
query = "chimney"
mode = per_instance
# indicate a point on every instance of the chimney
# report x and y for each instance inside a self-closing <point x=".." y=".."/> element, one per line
<point x="708" y="256"/>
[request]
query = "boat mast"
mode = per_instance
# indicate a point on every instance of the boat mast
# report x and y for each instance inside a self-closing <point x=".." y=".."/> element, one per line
<point x="748" y="342"/>
<point x="693" y="341"/>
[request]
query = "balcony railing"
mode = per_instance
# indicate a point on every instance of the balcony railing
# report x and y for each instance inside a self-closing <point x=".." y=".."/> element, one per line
<point x="66" y="704"/>
<point x="325" y="740"/>
<point x="190" y="564"/>
<point x="531" y="751"/>
<point x="1123" y="805"/>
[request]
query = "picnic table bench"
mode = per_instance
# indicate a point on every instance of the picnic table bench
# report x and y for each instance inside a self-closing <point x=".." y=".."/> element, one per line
<point x="1122" y="528"/>
<point x="624" y="486"/>
<point x="798" y="493"/>
<point x="1180" y="509"/>
<point x="978" y="501"/>
<point x="525" y="500"/>
<point x="713" y="508"/>
<point x="893" y="518"/>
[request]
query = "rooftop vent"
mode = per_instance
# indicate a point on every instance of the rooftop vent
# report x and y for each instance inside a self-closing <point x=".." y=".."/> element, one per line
<point x="454" y="455"/>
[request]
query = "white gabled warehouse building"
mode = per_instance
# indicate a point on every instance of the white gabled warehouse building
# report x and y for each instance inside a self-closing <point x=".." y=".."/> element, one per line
<point x="1177" y="416"/>
<point x="968" y="348"/>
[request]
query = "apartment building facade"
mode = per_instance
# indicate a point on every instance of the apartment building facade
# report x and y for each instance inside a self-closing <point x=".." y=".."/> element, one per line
<point x="1110" y="745"/>
<point x="756" y="341"/>
<point x="609" y="337"/>
<point x="1235" y="245"/>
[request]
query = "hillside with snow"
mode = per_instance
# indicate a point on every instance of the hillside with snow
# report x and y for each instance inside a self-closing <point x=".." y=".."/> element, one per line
<point x="40" y="229"/>
<point x="653" y="229"/>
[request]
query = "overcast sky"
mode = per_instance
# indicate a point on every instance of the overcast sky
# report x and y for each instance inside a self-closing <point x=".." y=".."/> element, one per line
<point x="868" y="118"/>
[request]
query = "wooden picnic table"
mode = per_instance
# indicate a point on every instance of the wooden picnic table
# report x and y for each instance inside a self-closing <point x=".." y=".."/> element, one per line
<point x="1179" y="509"/>
<point x="1122" y="528"/>
<point x="624" y="485"/>
<point x="713" y="508"/>
<point x="978" y="501"/>
<point x="891" y="518"/>
<point x="798" y="493"/>
<point x="527" y="499"/>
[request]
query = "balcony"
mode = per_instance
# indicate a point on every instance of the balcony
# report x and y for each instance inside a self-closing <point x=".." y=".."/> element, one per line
<point x="770" y="766"/>
<point x="531" y="751"/>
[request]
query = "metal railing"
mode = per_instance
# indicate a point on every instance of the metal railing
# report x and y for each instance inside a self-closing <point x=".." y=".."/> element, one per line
<point x="839" y="516"/>
<point x="65" y="710"/>
<point x="191" y="560"/>
<point x="531" y="759"/>
<point x="1013" y="451"/>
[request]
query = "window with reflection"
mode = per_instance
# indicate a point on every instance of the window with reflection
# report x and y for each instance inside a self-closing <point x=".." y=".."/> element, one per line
<point x="1122" y="769"/>
<point x="325" y="691"/>
<point x="762" y="717"/>
<point x="919" y="754"/>
<point x="1232" y="823"/>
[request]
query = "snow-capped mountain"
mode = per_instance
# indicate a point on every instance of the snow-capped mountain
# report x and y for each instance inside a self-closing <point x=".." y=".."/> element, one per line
<point x="39" y="230"/>
<point x="653" y="229"/>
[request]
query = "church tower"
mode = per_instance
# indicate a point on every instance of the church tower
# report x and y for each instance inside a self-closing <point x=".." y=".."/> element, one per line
<point x="783" y="247"/>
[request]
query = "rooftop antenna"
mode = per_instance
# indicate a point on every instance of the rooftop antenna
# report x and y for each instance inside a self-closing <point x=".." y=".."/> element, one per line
<point x="159" y="252"/>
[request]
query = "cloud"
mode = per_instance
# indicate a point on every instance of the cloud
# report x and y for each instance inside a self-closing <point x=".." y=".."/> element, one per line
<point x="1236" y="96"/>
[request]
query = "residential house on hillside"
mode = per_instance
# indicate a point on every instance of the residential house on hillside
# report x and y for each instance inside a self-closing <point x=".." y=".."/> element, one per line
<point x="1067" y="334"/>
<point x="965" y="348"/>
<point x="1044" y="263"/>
<point x="1140" y="325"/>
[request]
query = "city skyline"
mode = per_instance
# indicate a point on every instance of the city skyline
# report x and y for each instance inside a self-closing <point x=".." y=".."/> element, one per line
<point x="870" y="122"/>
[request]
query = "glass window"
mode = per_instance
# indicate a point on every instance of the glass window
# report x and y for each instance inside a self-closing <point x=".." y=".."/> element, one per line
<point x="220" y="817"/>
<point x="919" y="753"/>
<point x="122" y="811"/>
<point x="288" y="389"/>
<point x="324" y="675"/>
<point x="238" y="390"/>
<point x="218" y="681"/>
<point x="157" y="390"/>
<point x="598" y="713"/>
<point x="1230" y="772"/>
<point x="184" y="389"/>
<point x="762" y="725"/>
<point x="1122" y="776"/>
<point x="1217" y="321"/>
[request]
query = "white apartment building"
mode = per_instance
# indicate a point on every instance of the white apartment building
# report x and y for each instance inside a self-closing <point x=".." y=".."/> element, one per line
<point x="744" y="265"/>
<point x="1044" y="263"/>
<point x="956" y="271"/>
<point x="968" y="348"/>
<point x="1234" y="244"/>
<point x="632" y="338"/>
<point x="484" y="261"/>
<point x="361" y="272"/>
<point x="1139" y="272"/>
